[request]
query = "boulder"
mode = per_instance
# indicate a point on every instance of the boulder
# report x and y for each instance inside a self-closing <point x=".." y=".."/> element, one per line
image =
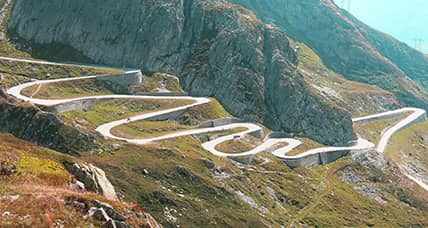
<point x="109" y="210"/>
<point x="94" y="179"/>
<point x="115" y="224"/>
<point x="7" y="169"/>
<point x="98" y="214"/>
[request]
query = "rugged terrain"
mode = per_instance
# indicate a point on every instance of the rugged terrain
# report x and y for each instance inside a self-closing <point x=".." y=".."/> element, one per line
<point x="181" y="184"/>
<point x="349" y="47"/>
<point x="218" y="49"/>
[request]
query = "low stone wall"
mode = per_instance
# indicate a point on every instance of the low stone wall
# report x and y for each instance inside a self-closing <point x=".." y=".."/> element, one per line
<point x="306" y="161"/>
<point x="162" y="94"/>
<point x="315" y="159"/>
<point x="72" y="106"/>
<point x="122" y="83"/>
<point x="219" y="122"/>
<point x="168" y="116"/>
<point x="280" y="135"/>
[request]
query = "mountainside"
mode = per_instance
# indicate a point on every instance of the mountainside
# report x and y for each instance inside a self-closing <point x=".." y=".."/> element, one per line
<point x="107" y="159"/>
<point x="348" y="46"/>
<point x="218" y="49"/>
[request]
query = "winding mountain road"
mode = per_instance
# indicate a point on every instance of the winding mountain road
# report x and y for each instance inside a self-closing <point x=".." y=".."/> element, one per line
<point x="267" y="145"/>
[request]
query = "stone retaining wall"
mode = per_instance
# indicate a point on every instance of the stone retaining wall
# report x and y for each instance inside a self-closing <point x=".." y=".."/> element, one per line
<point x="219" y="122"/>
<point x="122" y="83"/>
<point x="168" y="116"/>
<point x="162" y="94"/>
<point x="72" y="106"/>
<point x="315" y="159"/>
<point x="325" y="158"/>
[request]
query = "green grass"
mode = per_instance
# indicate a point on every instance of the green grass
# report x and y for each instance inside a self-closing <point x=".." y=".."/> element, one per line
<point x="18" y="72"/>
<point x="46" y="169"/>
<point x="107" y="111"/>
<point x="372" y="130"/>
<point x="154" y="82"/>
<point x="241" y="145"/>
<point x="142" y="129"/>
<point x="210" y="111"/>
<point x="308" y="196"/>
<point x="42" y="188"/>
<point x="409" y="144"/>
<point x="307" y="144"/>
<point x="358" y="98"/>
<point x="68" y="89"/>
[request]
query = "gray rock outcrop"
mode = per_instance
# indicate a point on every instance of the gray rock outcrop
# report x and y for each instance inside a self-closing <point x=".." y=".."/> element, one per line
<point x="217" y="48"/>
<point x="348" y="46"/>
<point x="94" y="179"/>
<point x="28" y="122"/>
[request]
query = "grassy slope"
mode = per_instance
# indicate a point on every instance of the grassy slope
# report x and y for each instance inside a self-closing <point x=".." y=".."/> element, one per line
<point x="174" y="175"/>
<point x="18" y="72"/>
<point x="70" y="89"/>
<point x="410" y="144"/>
<point x="312" y="196"/>
<point x="153" y="176"/>
<point x="154" y="81"/>
<point x="358" y="98"/>
<point x="187" y="120"/>
<point x="239" y="146"/>
<point x="173" y="178"/>
<point x="39" y="193"/>
<point x="373" y="130"/>
<point x="110" y="110"/>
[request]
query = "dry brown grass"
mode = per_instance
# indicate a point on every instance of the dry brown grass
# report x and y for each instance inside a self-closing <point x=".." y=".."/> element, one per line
<point x="39" y="193"/>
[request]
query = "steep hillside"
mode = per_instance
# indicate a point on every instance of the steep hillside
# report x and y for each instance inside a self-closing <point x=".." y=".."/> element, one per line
<point x="348" y="46"/>
<point x="217" y="48"/>
<point x="36" y="190"/>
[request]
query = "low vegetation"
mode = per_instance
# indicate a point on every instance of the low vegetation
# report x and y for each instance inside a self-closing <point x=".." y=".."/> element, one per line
<point x="68" y="89"/>
<point x="158" y="82"/>
<point x="239" y="145"/>
<point x="145" y="129"/>
<point x="307" y="144"/>
<point x="115" y="109"/>
<point x="14" y="73"/>
<point x="36" y="190"/>
<point x="373" y="130"/>
<point x="358" y="98"/>
<point x="410" y="144"/>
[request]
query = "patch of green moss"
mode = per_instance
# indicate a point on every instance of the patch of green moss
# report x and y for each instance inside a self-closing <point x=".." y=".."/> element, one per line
<point x="46" y="169"/>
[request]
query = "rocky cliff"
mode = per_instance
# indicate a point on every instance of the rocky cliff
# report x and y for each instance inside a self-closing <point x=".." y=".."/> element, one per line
<point x="348" y="46"/>
<point x="30" y="123"/>
<point x="218" y="49"/>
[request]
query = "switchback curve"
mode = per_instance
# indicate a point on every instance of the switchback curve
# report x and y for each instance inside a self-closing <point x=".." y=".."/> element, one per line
<point x="105" y="129"/>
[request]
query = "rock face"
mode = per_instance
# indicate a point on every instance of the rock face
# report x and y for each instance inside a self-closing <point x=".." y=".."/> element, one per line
<point x="348" y="46"/>
<point x="30" y="123"/>
<point x="218" y="49"/>
<point x="94" y="179"/>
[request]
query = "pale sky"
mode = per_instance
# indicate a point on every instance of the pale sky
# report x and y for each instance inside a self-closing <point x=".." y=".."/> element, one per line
<point x="403" y="19"/>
